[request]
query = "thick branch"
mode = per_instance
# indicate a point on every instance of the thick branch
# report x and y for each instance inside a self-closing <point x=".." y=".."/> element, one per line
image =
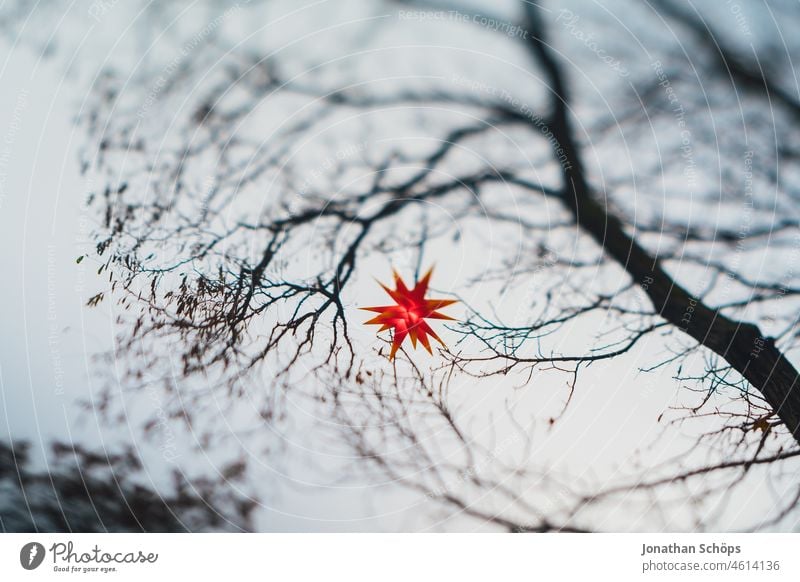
<point x="741" y="344"/>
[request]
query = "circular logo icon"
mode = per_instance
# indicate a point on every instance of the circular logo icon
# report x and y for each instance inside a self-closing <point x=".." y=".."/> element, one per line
<point x="31" y="555"/>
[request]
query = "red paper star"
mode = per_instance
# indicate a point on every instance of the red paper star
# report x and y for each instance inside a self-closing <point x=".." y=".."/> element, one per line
<point x="408" y="315"/>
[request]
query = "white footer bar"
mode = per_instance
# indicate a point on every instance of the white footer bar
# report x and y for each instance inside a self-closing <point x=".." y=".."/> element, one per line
<point x="401" y="557"/>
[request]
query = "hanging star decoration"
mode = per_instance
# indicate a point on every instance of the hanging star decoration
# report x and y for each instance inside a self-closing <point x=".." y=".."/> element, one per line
<point x="407" y="316"/>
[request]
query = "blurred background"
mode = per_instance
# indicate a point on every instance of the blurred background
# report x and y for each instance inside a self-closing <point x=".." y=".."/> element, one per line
<point x="196" y="198"/>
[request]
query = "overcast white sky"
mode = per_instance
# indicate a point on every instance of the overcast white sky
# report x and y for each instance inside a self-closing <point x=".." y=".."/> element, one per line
<point x="49" y="340"/>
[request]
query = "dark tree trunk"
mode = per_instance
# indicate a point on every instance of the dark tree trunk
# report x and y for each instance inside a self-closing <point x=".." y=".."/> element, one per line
<point x="741" y="344"/>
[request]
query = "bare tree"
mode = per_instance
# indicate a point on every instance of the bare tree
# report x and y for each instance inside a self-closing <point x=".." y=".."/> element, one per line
<point x="243" y="191"/>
